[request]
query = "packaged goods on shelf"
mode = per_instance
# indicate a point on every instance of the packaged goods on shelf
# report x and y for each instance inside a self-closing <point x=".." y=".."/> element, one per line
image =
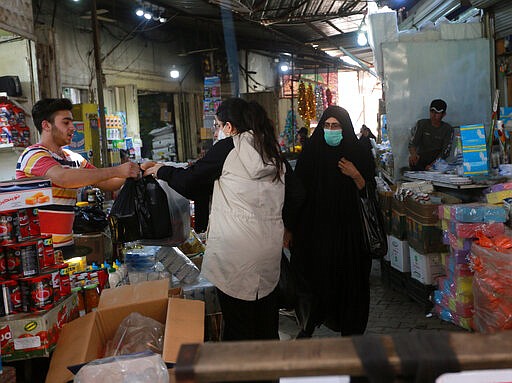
<point x="426" y="268"/>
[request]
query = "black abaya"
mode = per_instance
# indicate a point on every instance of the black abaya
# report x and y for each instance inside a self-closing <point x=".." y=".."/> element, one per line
<point x="327" y="246"/>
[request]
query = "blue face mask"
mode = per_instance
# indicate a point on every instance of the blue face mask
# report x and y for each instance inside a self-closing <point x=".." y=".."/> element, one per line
<point x="333" y="137"/>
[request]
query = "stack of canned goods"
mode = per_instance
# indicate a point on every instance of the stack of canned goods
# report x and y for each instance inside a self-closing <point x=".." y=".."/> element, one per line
<point x="30" y="279"/>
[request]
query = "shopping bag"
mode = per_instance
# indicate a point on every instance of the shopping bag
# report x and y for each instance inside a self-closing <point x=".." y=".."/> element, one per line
<point x="374" y="234"/>
<point x="287" y="293"/>
<point x="150" y="211"/>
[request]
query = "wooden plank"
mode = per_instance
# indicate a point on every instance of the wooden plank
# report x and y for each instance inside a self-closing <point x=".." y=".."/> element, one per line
<point x="259" y="360"/>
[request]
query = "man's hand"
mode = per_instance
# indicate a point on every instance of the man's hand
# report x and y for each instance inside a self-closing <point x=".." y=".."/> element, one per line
<point x="128" y="170"/>
<point x="287" y="238"/>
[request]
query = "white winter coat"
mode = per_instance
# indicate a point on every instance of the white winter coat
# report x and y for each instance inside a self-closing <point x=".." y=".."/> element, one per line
<point x="245" y="234"/>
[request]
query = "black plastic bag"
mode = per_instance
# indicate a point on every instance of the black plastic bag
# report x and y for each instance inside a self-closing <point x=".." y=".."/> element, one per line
<point x="140" y="212"/>
<point x="374" y="233"/>
<point x="287" y="294"/>
<point x="89" y="219"/>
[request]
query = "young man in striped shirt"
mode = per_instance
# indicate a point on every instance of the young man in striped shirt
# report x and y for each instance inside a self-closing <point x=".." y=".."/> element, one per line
<point x="67" y="170"/>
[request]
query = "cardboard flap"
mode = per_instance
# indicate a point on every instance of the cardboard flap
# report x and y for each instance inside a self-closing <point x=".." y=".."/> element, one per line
<point x="71" y="348"/>
<point x="184" y="324"/>
<point x="133" y="294"/>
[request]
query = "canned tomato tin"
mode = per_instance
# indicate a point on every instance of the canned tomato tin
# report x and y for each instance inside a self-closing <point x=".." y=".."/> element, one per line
<point x="65" y="283"/>
<point x="37" y="293"/>
<point x="34" y="228"/>
<point x="45" y="251"/>
<point x="24" y="225"/>
<point x="22" y="259"/>
<point x="55" y="277"/>
<point x="10" y="297"/>
<point x="8" y="221"/>
<point x="3" y="265"/>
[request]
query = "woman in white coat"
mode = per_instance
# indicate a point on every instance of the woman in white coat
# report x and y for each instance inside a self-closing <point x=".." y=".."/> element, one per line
<point x="245" y="234"/>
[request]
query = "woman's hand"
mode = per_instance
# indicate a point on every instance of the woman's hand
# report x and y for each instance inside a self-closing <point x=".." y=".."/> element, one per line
<point x="150" y="168"/>
<point x="348" y="169"/>
<point x="287" y="238"/>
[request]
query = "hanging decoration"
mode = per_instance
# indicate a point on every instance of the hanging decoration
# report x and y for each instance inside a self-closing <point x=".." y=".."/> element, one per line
<point x="328" y="96"/>
<point x="290" y="127"/>
<point x="311" y="103"/>
<point x="303" y="105"/>
<point x="319" y="98"/>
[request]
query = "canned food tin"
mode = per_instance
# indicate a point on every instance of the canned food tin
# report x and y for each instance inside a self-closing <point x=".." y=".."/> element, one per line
<point x="45" y="251"/>
<point x="37" y="293"/>
<point x="10" y="297"/>
<point x="3" y="265"/>
<point x="8" y="223"/>
<point x="34" y="228"/>
<point x="65" y="283"/>
<point x="24" y="225"/>
<point x="55" y="277"/>
<point x="22" y="259"/>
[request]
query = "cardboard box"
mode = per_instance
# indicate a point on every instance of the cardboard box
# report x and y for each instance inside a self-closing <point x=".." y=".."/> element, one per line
<point x="26" y="336"/>
<point x="426" y="268"/>
<point x="28" y="192"/>
<point x="84" y="339"/>
<point x="387" y="257"/>
<point x="399" y="254"/>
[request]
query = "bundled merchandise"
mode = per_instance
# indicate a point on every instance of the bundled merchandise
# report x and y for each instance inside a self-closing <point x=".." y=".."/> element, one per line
<point x="491" y="261"/>
<point x="158" y="262"/>
<point x="34" y="287"/>
<point x="13" y="128"/>
<point x="461" y="224"/>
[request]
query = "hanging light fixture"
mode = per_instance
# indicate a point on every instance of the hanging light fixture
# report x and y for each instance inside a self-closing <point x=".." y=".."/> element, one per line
<point x="174" y="73"/>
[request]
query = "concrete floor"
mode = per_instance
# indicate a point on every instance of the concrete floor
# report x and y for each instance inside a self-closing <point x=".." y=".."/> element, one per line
<point x="391" y="312"/>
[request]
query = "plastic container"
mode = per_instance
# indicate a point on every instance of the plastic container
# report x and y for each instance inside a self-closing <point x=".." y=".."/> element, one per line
<point x="80" y="300"/>
<point x="91" y="297"/>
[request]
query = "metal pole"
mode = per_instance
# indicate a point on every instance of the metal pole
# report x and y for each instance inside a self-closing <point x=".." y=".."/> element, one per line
<point x="105" y="161"/>
<point x="293" y="112"/>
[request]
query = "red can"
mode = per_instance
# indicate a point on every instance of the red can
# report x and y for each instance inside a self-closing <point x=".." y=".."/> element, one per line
<point x="24" y="225"/>
<point x="22" y="259"/>
<point x="65" y="282"/>
<point x="10" y="297"/>
<point x="45" y="251"/>
<point x="55" y="278"/>
<point x="34" y="228"/>
<point x="8" y="220"/>
<point x="3" y="265"/>
<point x="37" y="293"/>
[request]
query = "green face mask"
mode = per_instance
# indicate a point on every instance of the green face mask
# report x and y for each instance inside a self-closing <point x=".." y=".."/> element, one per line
<point x="333" y="137"/>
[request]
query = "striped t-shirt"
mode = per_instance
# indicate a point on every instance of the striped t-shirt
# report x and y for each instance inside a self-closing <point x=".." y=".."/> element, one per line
<point x="56" y="219"/>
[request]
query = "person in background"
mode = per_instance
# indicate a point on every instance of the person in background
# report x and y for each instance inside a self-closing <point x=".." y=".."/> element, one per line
<point x="366" y="136"/>
<point x="327" y="248"/>
<point x="245" y="234"/>
<point x="431" y="138"/>
<point x="302" y="136"/>
<point x="67" y="170"/>
<point x="125" y="155"/>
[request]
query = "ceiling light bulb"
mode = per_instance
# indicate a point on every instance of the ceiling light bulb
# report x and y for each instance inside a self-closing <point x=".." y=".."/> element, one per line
<point x="148" y="15"/>
<point x="163" y="19"/>
<point x="361" y="39"/>
<point x="175" y="73"/>
<point x="139" y="12"/>
<point x="284" y="67"/>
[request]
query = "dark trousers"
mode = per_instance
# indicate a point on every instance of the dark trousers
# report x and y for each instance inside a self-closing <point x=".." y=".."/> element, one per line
<point x="249" y="320"/>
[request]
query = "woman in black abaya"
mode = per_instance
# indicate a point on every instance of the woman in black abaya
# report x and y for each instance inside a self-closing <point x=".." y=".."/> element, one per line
<point x="327" y="250"/>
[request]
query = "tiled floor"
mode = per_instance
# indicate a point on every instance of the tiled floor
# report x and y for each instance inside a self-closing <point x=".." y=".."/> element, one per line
<point x="391" y="312"/>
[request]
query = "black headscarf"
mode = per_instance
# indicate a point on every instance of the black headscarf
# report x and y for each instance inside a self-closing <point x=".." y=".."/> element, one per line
<point x="327" y="242"/>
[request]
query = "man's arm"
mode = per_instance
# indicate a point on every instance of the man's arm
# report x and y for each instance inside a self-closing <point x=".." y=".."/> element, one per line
<point x="106" y="178"/>
<point x="413" y="144"/>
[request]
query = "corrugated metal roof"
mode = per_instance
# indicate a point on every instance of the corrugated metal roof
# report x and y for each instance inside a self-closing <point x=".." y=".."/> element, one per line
<point x="482" y="4"/>
<point x="503" y="19"/>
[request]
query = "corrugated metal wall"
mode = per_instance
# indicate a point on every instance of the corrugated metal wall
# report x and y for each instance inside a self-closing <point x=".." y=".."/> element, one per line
<point x="16" y="17"/>
<point x="502" y="10"/>
<point x="503" y="19"/>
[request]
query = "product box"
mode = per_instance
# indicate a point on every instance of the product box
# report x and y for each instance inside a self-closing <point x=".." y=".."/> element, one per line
<point x="27" y="192"/>
<point x="387" y="257"/>
<point x="474" y="150"/>
<point x="25" y="336"/>
<point x="85" y="338"/>
<point x="399" y="255"/>
<point x="426" y="268"/>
